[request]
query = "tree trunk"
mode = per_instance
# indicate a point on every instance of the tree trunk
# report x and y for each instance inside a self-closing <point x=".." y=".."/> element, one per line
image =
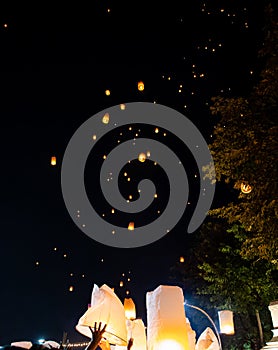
<point x="260" y="328"/>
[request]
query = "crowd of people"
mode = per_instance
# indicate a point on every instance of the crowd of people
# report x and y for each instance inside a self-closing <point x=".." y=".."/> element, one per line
<point x="97" y="342"/>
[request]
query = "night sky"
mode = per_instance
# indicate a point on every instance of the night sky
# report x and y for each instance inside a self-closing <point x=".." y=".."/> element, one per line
<point x="55" y="66"/>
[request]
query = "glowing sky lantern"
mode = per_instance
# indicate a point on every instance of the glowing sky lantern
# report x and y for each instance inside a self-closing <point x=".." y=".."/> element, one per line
<point x="107" y="92"/>
<point x="182" y="259"/>
<point x="130" y="310"/>
<point x="105" y="307"/>
<point x="140" y="86"/>
<point x="53" y="161"/>
<point x="142" y="157"/>
<point x="71" y="288"/>
<point x="131" y="226"/>
<point x="226" y="322"/>
<point x="166" y="319"/>
<point x="106" y="118"/>
<point x="122" y="106"/>
<point x="245" y="188"/>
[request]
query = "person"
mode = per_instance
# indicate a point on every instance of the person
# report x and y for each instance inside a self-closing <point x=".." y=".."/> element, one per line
<point x="97" y="339"/>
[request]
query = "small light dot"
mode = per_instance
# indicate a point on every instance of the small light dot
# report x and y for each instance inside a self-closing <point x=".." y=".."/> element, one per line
<point x="104" y="157"/>
<point x="107" y="92"/>
<point x="122" y="106"/>
<point x="112" y="211"/>
<point x="37" y="263"/>
<point x="156" y="130"/>
<point x="94" y="137"/>
<point x="71" y="288"/>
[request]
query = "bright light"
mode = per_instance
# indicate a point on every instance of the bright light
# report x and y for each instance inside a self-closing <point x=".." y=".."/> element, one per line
<point x="41" y="341"/>
<point x="169" y="344"/>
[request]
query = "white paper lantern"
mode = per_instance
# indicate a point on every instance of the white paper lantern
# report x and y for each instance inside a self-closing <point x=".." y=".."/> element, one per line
<point x="226" y="322"/>
<point x="106" y="308"/>
<point x="207" y="340"/>
<point x="166" y="319"/>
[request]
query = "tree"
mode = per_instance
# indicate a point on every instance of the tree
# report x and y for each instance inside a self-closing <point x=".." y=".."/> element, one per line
<point x="244" y="150"/>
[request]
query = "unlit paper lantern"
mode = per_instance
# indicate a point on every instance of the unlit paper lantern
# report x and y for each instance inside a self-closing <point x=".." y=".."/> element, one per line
<point x="207" y="340"/>
<point x="226" y="321"/>
<point x="106" y="308"/>
<point x="166" y="319"/>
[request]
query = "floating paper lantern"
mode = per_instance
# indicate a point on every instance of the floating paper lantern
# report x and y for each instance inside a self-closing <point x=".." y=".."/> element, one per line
<point x="53" y="161"/>
<point x="130" y="310"/>
<point x="140" y="86"/>
<point x="122" y="106"/>
<point x="148" y="154"/>
<point x="107" y="92"/>
<point x="121" y="283"/>
<point x="226" y="322"/>
<point x="245" y="188"/>
<point x="142" y="157"/>
<point x="131" y="226"/>
<point x="166" y="319"/>
<point x="71" y="288"/>
<point x="106" y="118"/>
<point x="106" y="308"/>
<point x="182" y="259"/>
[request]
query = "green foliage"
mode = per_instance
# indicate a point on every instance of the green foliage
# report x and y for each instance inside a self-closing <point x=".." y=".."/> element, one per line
<point x="244" y="150"/>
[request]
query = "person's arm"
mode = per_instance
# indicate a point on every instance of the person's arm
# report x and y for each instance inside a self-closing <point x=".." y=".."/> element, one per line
<point x="130" y="343"/>
<point x="97" y="333"/>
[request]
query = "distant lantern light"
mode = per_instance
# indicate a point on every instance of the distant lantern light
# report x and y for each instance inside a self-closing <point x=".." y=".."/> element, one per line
<point x="156" y="130"/>
<point x="106" y="118"/>
<point x="121" y="284"/>
<point x="226" y="322"/>
<point x="182" y="259"/>
<point x="94" y="137"/>
<point x="142" y="157"/>
<point x="131" y="226"/>
<point x="53" y="161"/>
<point x="107" y="92"/>
<point x="245" y="188"/>
<point x="71" y="289"/>
<point x="122" y="106"/>
<point x="140" y="86"/>
<point x="148" y="154"/>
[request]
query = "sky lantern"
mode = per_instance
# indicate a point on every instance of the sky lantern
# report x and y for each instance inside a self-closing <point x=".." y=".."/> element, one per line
<point x="122" y="106"/>
<point x="207" y="340"/>
<point x="106" y="308"/>
<point x="106" y="118"/>
<point x="182" y="259"/>
<point x="107" y="92"/>
<point x="142" y="157"/>
<point x="226" y="322"/>
<point x="140" y="86"/>
<point x="166" y="319"/>
<point x="131" y="226"/>
<point x="130" y="310"/>
<point x="245" y="188"/>
<point x="53" y="161"/>
<point x="71" y="289"/>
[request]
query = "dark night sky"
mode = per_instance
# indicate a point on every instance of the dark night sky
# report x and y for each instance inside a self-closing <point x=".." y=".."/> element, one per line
<point x="55" y="66"/>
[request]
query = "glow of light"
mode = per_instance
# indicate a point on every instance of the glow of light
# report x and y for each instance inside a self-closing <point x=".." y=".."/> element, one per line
<point x="94" y="137"/>
<point x="104" y="157"/>
<point x="106" y="118"/>
<point x="41" y="341"/>
<point x="5" y="25"/>
<point x="182" y="259"/>
<point x="155" y="196"/>
<point x="107" y="92"/>
<point x="142" y="157"/>
<point x="148" y="154"/>
<point x="37" y="263"/>
<point x="141" y="86"/>
<point x="53" y="161"/>
<point x="169" y="344"/>
<point x="112" y="211"/>
<point x="71" y="289"/>
<point x="131" y="226"/>
<point x="156" y="130"/>
<point x="121" y="284"/>
<point x="122" y="106"/>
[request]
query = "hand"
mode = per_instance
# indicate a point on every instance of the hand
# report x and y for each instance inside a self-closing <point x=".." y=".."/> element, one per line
<point x="97" y="333"/>
<point x="130" y="343"/>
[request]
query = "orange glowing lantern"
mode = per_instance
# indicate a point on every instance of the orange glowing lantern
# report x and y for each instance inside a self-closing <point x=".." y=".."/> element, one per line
<point x="53" y="161"/>
<point x="142" y="157"/>
<point x="130" y="310"/>
<point x="182" y="259"/>
<point x="245" y="188"/>
<point x="140" y="86"/>
<point x="226" y="322"/>
<point x="131" y="226"/>
<point x="107" y="92"/>
<point x="106" y="118"/>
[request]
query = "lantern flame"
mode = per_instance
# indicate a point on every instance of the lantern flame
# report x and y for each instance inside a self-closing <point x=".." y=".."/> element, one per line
<point x="140" y="86"/>
<point x="131" y="226"/>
